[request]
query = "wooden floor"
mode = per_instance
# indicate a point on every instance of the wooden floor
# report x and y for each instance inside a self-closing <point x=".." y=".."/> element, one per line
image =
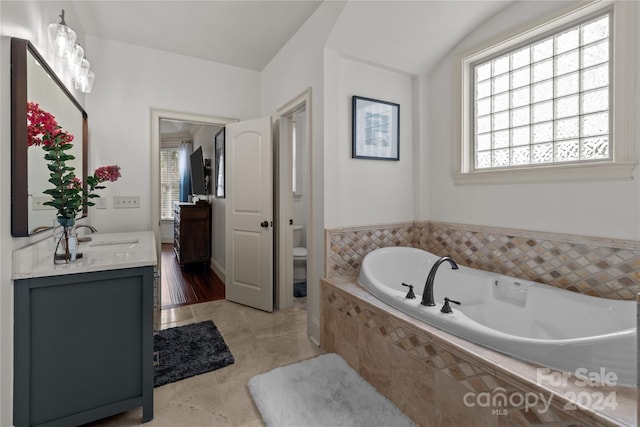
<point x="190" y="284"/>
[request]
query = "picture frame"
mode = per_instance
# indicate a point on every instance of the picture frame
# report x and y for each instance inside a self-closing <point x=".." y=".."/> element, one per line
<point x="219" y="169"/>
<point x="375" y="129"/>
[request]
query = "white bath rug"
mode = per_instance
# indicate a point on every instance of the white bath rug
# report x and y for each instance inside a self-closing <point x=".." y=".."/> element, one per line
<point x="323" y="391"/>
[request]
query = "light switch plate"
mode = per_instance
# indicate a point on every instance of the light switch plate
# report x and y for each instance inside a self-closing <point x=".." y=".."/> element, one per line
<point x="126" y="202"/>
<point x="38" y="204"/>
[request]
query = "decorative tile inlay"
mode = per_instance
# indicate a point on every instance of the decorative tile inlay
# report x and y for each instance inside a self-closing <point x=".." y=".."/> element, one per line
<point x="473" y="374"/>
<point x="587" y="266"/>
<point x="593" y="266"/>
<point x="345" y="248"/>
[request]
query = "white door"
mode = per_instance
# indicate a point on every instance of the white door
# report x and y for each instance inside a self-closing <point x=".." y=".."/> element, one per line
<point x="249" y="214"/>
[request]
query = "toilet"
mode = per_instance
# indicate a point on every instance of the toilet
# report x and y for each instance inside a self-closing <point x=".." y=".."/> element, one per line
<point x="299" y="255"/>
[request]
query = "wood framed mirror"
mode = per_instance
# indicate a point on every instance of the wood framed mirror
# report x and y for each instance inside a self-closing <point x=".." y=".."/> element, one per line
<point x="33" y="80"/>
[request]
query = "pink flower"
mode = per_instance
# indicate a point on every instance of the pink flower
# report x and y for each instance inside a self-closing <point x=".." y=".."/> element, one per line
<point x="67" y="137"/>
<point x="42" y="127"/>
<point x="108" y="173"/>
<point x="75" y="184"/>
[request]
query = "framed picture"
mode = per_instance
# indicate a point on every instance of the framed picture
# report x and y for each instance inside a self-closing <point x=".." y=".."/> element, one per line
<point x="218" y="178"/>
<point x="376" y="129"/>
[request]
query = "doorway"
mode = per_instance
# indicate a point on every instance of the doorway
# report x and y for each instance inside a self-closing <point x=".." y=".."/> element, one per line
<point x="294" y="213"/>
<point x="174" y="126"/>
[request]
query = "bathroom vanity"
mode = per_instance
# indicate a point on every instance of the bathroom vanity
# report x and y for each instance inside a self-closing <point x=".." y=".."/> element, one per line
<point x="83" y="332"/>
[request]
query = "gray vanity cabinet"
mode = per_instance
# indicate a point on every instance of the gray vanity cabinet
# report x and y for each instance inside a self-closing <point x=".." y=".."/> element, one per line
<point x="83" y="346"/>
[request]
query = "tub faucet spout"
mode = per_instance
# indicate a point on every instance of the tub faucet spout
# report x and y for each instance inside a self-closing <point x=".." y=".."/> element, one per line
<point x="427" y="294"/>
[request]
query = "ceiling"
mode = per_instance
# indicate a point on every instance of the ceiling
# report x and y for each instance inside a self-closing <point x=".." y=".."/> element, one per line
<point x="410" y="36"/>
<point x="173" y="130"/>
<point x="405" y="35"/>
<point x="242" y="33"/>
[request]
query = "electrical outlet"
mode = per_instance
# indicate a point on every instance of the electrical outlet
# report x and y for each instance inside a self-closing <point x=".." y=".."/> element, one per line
<point x="101" y="203"/>
<point x="38" y="204"/>
<point x="126" y="202"/>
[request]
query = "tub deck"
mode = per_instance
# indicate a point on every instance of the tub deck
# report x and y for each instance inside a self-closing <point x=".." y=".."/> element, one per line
<point x="427" y="372"/>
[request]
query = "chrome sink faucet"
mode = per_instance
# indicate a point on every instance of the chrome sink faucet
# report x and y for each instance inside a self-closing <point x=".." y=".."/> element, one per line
<point x="90" y="227"/>
<point x="427" y="294"/>
<point x="85" y="238"/>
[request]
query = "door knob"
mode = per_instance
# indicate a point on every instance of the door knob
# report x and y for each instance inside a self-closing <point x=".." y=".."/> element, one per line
<point x="264" y="224"/>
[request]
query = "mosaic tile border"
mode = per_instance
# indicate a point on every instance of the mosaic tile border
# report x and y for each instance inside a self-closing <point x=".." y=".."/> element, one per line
<point x="346" y="247"/>
<point x="465" y="372"/>
<point x="600" y="267"/>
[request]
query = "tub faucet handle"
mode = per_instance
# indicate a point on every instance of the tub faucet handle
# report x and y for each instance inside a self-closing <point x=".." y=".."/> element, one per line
<point x="446" y="308"/>
<point x="410" y="294"/>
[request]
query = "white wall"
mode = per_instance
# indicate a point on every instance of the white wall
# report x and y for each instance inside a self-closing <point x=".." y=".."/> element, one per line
<point x="130" y="81"/>
<point x="297" y="66"/>
<point x="595" y="208"/>
<point x="369" y="191"/>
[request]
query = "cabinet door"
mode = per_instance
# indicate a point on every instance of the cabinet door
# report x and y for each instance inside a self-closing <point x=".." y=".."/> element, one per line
<point x="89" y="346"/>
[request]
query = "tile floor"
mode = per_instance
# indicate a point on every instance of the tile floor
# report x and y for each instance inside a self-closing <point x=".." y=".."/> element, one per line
<point x="259" y="342"/>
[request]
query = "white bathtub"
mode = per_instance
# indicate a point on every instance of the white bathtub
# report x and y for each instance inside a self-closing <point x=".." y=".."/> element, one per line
<point x="564" y="330"/>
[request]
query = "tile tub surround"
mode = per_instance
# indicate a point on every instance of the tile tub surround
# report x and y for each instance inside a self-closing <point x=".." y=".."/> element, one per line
<point x="608" y="268"/>
<point x="427" y="372"/>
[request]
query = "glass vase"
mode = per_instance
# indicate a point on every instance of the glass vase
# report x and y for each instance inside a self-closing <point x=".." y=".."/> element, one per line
<point x="66" y="241"/>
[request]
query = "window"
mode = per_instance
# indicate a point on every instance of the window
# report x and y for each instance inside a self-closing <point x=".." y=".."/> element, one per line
<point x="294" y="160"/>
<point x="169" y="181"/>
<point x="219" y="163"/>
<point x="544" y="100"/>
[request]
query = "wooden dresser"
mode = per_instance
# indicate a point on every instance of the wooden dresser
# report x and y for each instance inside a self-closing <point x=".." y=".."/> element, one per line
<point x="192" y="232"/>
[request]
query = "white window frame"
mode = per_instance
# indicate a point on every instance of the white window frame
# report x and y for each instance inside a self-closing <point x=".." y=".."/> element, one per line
<point x="167" y="147"/>
<point x="623" y="131"/>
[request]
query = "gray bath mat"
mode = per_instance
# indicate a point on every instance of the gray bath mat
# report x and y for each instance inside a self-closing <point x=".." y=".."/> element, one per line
<point x="189" y="350"/>
<point x="321" y="392"/>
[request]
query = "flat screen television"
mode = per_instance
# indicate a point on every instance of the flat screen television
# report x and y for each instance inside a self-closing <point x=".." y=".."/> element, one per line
<point x="198" y="173"/>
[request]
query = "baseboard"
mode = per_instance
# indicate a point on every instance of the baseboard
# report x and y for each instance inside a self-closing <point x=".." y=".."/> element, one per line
<point x="218" y="270"/>
<point x="313" y="330"/>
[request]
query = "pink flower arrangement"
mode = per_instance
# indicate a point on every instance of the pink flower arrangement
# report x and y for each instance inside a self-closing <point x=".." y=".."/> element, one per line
<point x="69" y="194"/>
<point x="42" y="128"/>
<point x="108" y="173"/>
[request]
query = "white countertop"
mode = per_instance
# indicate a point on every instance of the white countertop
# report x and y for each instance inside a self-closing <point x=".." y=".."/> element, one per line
<point x="105" y="251"/>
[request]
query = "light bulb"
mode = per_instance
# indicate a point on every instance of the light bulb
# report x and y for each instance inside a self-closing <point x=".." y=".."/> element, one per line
<point x="62" y="39"/>
<point x="75" y="60"/>
<point x="86" y="83"/>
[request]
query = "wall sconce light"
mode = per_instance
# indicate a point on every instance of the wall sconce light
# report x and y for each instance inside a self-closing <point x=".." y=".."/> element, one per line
<point x="85" y="84"/>
<point x="75" y="60"/>
<point x="62" y="40"/>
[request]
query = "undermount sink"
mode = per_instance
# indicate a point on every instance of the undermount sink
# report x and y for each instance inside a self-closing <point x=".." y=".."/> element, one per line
<point x="131" y="242"/>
